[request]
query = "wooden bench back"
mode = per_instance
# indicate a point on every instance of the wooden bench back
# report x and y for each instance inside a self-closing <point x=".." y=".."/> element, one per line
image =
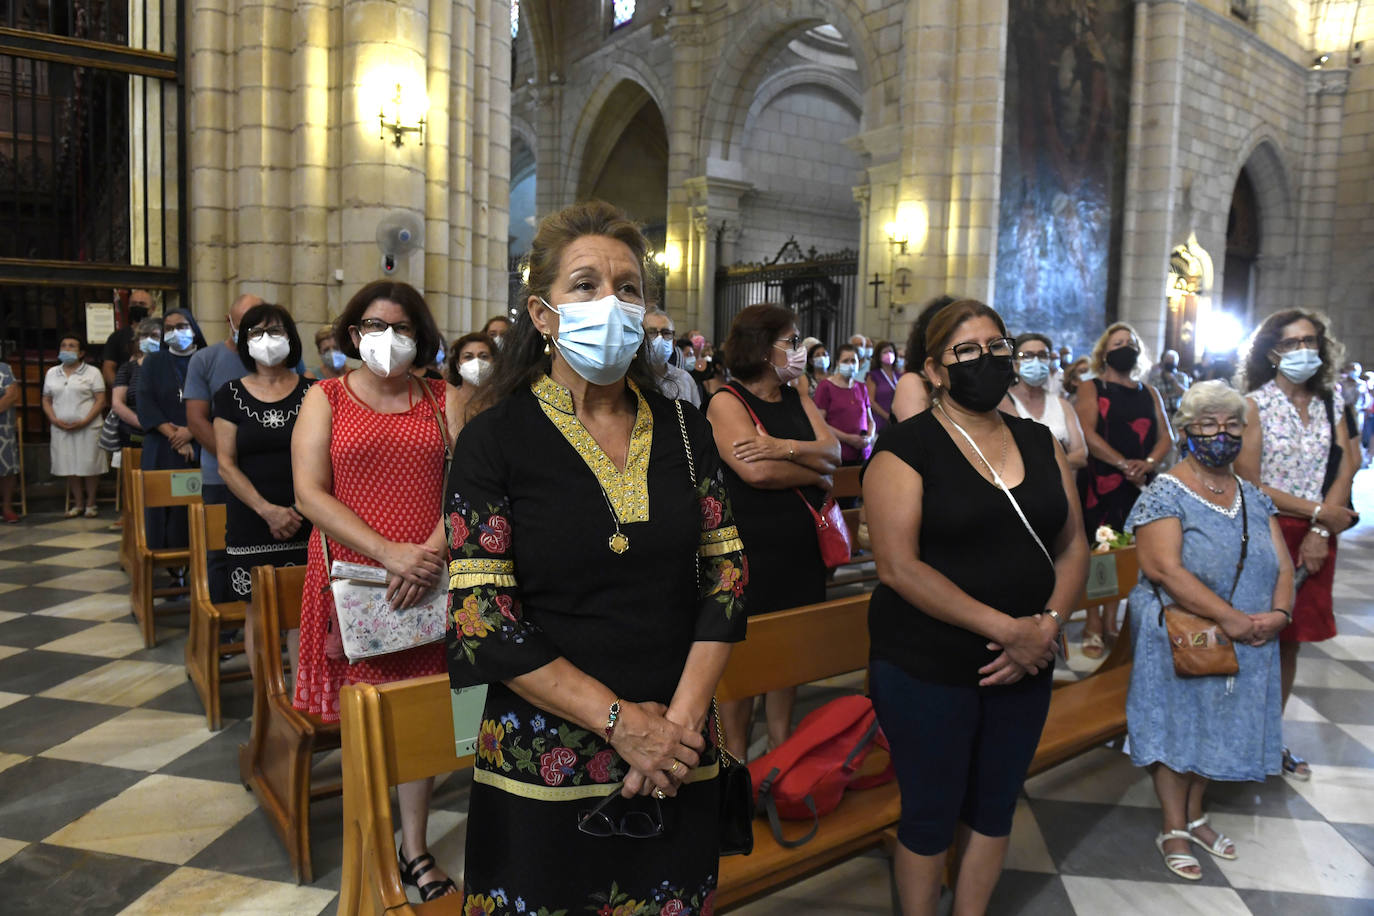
<point x="846" y="483"/>
<point x="207" y="533"/>
<point x="798" y="646"/>
<point x="392" y="733"/>
<point x="1127" y="571"/>
<point x="277" y="606"/>
<point x="152" y="490"/>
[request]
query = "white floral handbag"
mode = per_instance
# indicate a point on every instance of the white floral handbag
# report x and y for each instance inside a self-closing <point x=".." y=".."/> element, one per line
<point x="368" y="625"/>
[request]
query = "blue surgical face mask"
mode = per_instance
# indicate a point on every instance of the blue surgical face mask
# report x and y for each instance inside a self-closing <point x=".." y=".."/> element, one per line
<point x="66" y="357"/>
<point x="660" y="350"/>
<point x="846" y="370"/>
<point x="900" y="364"/>
<point x="822" y="363"/>
<point x="599" y="339"/>
<point x="336" y="359"/>
<point x="439" y="356"/>
<point x="183" y="339"/>
<point x="1300" y="365"/>
<point x="150" y="344"/>
<point x="1033" y="372"/>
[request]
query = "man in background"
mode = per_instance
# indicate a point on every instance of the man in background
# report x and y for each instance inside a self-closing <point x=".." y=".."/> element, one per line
<point x="119" y="345"/>
<point x="658" y="339"/>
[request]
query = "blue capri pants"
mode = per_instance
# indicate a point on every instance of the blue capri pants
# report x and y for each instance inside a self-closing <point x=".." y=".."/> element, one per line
<point x="960" y="753"/>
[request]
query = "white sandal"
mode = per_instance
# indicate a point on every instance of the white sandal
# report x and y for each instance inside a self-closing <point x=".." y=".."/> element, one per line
<point x="1177" y="861"/>
<point x="1218" y="847"/>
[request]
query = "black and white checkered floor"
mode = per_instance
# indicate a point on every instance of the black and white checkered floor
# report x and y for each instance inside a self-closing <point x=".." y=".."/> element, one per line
<point x="114" y="798"/>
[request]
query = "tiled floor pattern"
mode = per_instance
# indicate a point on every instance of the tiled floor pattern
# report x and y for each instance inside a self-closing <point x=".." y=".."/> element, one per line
<point x="114" y="798"/>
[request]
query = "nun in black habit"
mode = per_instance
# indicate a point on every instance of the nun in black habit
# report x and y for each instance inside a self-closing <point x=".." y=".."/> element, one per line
<point x="162" y="412"/>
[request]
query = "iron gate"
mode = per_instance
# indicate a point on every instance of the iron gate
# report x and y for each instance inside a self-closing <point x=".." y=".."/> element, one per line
<point x="820" y="288"/>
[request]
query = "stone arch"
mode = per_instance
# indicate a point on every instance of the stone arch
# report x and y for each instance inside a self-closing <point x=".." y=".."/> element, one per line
<point x="804" y="75"/>
<point x="612" y="104"/>
<point x="522" y="130"/>
<point x="1263" y="162"/>
<point x="769" y="28"/>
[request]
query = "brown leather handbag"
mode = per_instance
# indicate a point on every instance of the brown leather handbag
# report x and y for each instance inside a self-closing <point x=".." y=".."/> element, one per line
<point x="1199" y="646"/>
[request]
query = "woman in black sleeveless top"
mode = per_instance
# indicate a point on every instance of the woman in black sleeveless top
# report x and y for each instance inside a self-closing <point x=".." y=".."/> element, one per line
<point x="763" y="472"/>
<point x="969" y="606"/>
<point x="1127" y="435"/>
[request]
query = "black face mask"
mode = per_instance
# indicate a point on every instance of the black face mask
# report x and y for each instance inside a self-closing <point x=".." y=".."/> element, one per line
<point x="980" y="384"/>
<point x="137" y="313"/>
<point x="1123" y="359"/>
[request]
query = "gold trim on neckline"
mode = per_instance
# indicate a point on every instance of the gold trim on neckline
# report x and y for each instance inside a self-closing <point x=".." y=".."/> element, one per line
<point x="627" y="490"/>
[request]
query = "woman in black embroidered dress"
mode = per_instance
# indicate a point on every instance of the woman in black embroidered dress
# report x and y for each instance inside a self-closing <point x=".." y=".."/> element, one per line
<point x="254" y="419"/>
<point x="597" y="591"/>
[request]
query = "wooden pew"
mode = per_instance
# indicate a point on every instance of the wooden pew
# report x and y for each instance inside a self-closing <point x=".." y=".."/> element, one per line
<point x="275" y="763"/>
<point x="392" y="733"/>
<point x="209" y="620"/>
<point x="129" y="460"/>
<point x="153" y="490"/>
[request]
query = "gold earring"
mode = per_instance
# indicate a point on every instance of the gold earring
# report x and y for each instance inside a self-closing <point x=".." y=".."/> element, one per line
<point x="547" y="340"/>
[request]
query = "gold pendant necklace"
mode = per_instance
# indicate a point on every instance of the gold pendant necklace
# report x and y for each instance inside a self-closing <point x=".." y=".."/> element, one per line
<point x="618" y="542"/>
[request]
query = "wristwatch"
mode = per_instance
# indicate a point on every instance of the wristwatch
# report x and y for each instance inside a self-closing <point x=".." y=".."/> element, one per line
<point x="1319" y="531"/>
<point x="1054" y="615"/>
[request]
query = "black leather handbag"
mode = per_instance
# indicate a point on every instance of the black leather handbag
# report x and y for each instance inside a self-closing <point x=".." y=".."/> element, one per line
<point x="736" y="798"/>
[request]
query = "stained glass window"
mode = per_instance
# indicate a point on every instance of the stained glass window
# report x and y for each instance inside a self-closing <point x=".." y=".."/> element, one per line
<point x="622" y="11"/>
<point x="514" y="19"/>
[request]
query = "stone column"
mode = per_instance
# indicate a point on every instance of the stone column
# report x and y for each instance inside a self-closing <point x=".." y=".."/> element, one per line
<point x="1326" y="93"/>
<point x="685" y="293"/>
<point x="1152" y="166"/>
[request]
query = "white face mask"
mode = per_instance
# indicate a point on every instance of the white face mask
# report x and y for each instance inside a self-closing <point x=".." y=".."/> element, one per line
<point x="474" y="371"/>
<point x="386" y="353"/>
<point x="269" y="351"/>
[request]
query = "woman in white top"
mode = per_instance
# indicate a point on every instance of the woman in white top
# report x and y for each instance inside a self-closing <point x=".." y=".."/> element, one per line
<point x="1030" y="398"/>
<point x="73" y="400"/>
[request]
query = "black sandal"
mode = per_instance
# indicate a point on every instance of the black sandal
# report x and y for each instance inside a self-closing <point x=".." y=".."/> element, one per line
<point x="412" y="870"/>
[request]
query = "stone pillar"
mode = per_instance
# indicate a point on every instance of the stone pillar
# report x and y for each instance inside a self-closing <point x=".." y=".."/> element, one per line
<point x="1152" y="166"/>
<point x="1326" y="93"/>
<point x="686" y="294"/>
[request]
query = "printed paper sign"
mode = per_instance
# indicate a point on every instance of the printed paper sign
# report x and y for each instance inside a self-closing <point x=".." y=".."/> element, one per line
<point x="1101" y="576"/>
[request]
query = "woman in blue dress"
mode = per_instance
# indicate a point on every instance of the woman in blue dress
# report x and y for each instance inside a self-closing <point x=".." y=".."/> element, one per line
<point x="1190" y="525"/>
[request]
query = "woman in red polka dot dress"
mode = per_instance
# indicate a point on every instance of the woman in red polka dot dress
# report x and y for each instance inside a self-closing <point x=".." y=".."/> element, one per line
<point x="377" y="498"/>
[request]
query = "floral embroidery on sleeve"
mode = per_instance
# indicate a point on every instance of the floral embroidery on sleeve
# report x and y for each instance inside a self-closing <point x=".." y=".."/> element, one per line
<point x="723" y="567"/>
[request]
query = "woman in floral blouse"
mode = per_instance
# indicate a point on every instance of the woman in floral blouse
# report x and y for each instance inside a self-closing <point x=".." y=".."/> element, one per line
<point x="597" y="589"/>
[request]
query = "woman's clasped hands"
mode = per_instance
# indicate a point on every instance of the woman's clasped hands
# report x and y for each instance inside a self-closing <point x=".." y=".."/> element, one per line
<point x="415" y="570"/>
<point x="1027" y="646"/>
<point x="660" y="752"/>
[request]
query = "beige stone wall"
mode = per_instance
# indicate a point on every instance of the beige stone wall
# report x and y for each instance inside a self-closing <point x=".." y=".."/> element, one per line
<point x="1351" y="296"/>
<point x="289" y="177"/>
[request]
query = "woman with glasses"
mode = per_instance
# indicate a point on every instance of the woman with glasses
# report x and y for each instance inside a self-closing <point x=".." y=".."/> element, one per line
<point x="1030" y="397"/>
<point x="254" y="419"/>
<point x="595" y="588"/>
<point x="367" y="458"/>
<point x="1209" y="543"/>
<point x="124" y="393"/>
<point x="778" y="452"/>
<point x="843" y="403"/>
<point x="980" y="553"/>
<point x="161" y="404"/>
<point x="1127" y="435"/>
<point x="1297" y="453"/>
<point x="882" y="383"/>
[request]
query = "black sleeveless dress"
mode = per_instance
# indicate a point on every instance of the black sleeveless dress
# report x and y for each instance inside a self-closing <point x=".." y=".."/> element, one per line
<point x="1126" y="419"/>
<point x="779" y="534"/>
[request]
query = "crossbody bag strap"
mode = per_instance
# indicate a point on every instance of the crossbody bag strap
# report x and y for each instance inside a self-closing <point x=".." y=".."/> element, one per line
<point x="759" y="423"/>
<point x="997" y="479"/>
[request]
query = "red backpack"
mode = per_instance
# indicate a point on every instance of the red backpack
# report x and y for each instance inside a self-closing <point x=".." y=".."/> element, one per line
<point x="807" y="775"/>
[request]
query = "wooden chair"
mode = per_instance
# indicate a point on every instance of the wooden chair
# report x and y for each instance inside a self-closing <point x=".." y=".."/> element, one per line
<point x="785" y="649"/>
<point x="275" y="763"/>
<point x="208" y="620"/>
<point x="129" y="460"/>
<point x="153" y="490"/>
<point x="392" y="733"/>
<point x="19" y="445"/>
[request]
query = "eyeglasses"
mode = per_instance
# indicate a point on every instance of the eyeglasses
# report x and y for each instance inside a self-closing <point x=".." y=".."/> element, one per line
<point x="276" y="332"/>
<point x="665" y="333"/>
<point x="1038" y="355"/>
<point x="1289" y="344"/>
<point x="182" y="326"/>
<point x="970" y="350"/>
<point x="635" y="824"/>
<point x="1208" y="427"/>
<point x="378" y="326"/>
<point x="468" y="357"/>
<point x="793" y="342"/>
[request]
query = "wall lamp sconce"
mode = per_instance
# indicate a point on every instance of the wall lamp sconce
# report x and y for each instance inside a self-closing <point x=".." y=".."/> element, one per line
<point x="396" y="125"/>
<point x="898" y="236"/>
<point x="1320" y="60"/>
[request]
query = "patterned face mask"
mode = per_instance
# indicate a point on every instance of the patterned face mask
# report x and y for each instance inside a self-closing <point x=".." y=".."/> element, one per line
<point x="1214" y="451"/>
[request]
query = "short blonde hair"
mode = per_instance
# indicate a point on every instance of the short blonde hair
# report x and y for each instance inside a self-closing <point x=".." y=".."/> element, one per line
<point x="1098" y="358"/>
<point x="1214" y="397"/>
